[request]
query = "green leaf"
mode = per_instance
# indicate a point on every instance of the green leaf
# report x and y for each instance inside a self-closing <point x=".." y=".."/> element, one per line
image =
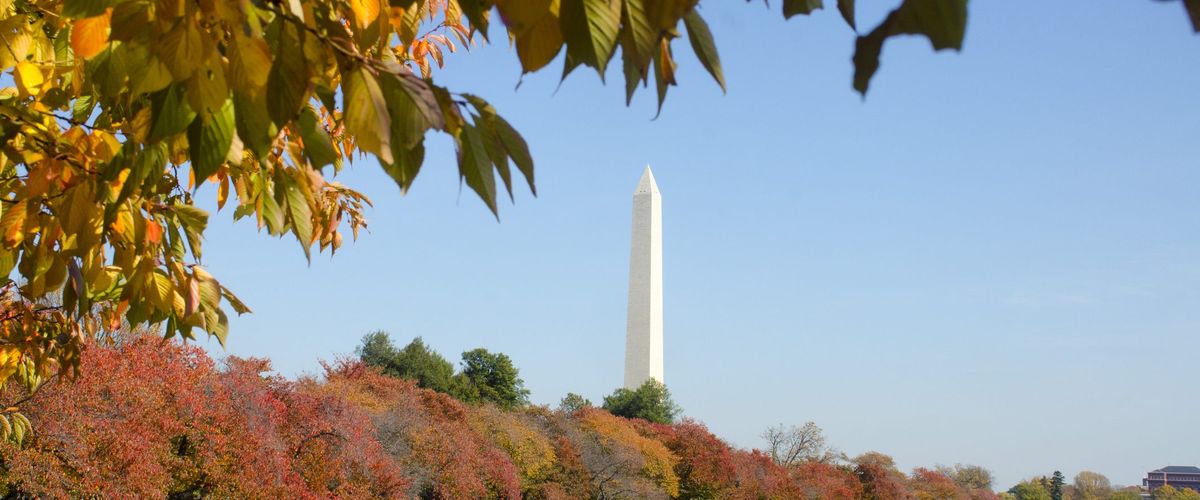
<point x="664" y="72"/>
<point x="170" y="113"/>
<point x="150" y="161"/>
<point x="409" y="115"/>
<point x="81" y="109"/>
<point x="366" y="113"/>
<point x="8" y="260"/>
<point x="108" y="69"/>
<point x="448" y="110"/>
<point x="209" y="139"/>
<point x="410" y="104"/>
<point x="85" y="8"/>
<point x="406" y="165"/>
<point x="217" y="324"/>
<point x="535" y="26"/>
<point x="638" y="38"/>
<point x="793" y="7"/>
<point x="194" y="221"/>
<point x="474" y="166"/>
<point x="318" y="147"/>
<point x="234" y="301"/>
<point x="502" y="142"/>
<point x="590" y="29"/>
<point x="943" y="22"/>
<point x="254" y="126"/>
<point x="477" y="14"/>
<point x="664" y="15"/>
<point x="703" y="45"/>
<point x="517" y="150"/>
<point x="495" y="148"/>
<point x="182" y="49"/>
<point x="288" y="81"/>
<point x="297" y="210"/>
<point x="846" y="7"/>
<point x="633" y="74"/>
<point x="272" y="215"/>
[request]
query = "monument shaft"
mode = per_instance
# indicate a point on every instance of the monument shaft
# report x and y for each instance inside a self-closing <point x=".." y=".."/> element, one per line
<point x="644" y="327"/>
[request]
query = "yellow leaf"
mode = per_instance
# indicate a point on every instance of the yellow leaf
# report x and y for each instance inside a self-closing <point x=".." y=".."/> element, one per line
<point x="396" y="18"/>
<point x="12" y="222"/>
<point x="535" y="25"/>
<point x="153" y="77"/>
<point x="182" y="50"/>
<point x="14" y="29"/>
<point x="365" y="11"/>
<point x="139" y="126"/>
<point x="89" y="36"/>
<point x="249" y="63"/>
<point x="366" y="113"/>
<point x="206" y="90"/>
<point x="29" y="79"/>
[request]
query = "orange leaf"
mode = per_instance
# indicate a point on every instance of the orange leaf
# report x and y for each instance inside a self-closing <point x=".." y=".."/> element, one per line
<point x="222" y="192"/>
<point x="153" y="232"/>
<point x="89" y="36"/>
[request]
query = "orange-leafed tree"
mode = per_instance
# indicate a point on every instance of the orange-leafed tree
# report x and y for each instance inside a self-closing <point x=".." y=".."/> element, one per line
<point x="647" y="462"/>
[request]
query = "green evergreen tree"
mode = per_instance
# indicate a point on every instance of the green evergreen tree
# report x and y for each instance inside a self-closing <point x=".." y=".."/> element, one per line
<point x="1034" y="489"/>
<point x="1056" y="486"/>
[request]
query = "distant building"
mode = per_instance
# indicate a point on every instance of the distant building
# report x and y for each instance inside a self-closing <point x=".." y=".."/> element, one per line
<point x="1177" y="476"/>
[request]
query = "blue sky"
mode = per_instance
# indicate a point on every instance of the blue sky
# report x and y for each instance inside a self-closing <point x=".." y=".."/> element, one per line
<point x="993" y="259"/>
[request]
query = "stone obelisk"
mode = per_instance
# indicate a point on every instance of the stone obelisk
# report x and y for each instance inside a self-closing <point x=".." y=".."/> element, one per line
<point x="644" y="326"/>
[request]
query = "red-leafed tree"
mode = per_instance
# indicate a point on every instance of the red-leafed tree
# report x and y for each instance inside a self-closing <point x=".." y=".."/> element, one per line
<point x="428" y="434"/>
<point x="827" y="481"/>
<point x="760" y="477"/>
<point x="146" y="419"/>
<point x="879" y="477"/>
<point x="152" y="419"/>
<point x="928" y="484"/>
<point x="705" y="467"/>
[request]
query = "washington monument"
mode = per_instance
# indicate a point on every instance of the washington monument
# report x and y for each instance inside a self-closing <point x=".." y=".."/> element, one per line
<point x="644" y="326"/>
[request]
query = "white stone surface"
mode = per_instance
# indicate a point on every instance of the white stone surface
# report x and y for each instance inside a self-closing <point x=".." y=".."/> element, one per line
<point x="644" y="327"/>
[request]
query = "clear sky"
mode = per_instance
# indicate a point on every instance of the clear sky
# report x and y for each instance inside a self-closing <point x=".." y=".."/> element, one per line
<point x="993" y="259"/>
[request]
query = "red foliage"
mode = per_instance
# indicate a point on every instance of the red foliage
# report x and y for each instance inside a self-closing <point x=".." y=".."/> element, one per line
<point x="148" y="419"/>
<point x="154" y="418"/>
<point x="428" y="433"/>
<point x="933" y="485"/>
<point x="157" y="419"/>
<point x="760" y="477"/>
<point x="980" y="494"/>
<point x="880" y="482"/>
<point x="705" y="467"/>
<point x="827" y="481"/>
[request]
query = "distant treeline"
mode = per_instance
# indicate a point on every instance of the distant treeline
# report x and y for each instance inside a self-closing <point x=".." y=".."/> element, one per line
<point x="155" y="419"/>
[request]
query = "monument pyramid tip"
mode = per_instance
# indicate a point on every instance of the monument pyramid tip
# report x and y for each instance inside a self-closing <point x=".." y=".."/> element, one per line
<point x="647" y="184"/>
